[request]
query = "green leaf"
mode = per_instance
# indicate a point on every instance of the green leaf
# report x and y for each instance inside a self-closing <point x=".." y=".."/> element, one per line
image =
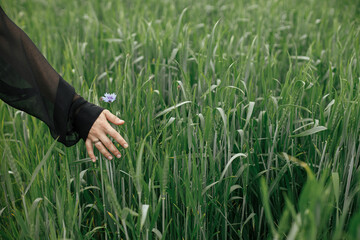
<point x="266" y="206"/>
<point x="229" y="163"/>
<point x="39" y="166"/>
<point x="310" y="131"/>
<point x="336" y="185"/>
<point x="144" y="211"/>
<point x="171" y="108"/>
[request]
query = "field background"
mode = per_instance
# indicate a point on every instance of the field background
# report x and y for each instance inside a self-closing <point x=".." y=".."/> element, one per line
<point x="242" y="117"/>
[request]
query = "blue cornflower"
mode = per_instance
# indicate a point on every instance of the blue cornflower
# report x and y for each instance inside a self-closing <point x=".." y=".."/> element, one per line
<point x="109" y="97"/>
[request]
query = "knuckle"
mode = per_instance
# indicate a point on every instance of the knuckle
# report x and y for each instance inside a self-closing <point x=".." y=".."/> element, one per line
<point x="99" y="147"/>
<point x="104" y="152"/>
<point x="104" y="124"/>
<point x="108" y="142"/>
<point x="113" y="149"/>
<point x="94" y="129"/>
<point x="114" y="134"/>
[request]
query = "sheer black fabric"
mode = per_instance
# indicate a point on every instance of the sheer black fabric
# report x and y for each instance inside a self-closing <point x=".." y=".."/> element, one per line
<point x="29" y="83"/>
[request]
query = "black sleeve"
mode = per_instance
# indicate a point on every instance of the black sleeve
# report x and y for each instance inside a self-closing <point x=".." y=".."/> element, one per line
<point x="29" y="83"/>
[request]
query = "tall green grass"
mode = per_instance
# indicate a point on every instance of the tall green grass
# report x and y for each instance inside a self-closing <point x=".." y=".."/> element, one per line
<point x="242" y="119"/>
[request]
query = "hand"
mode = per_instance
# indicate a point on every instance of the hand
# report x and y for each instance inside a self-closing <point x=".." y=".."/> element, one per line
<point x="97" y="136"/>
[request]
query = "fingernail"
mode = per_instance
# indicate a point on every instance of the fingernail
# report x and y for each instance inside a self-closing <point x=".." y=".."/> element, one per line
<point x="109" y="157"/>
<point x="126" y="145"/>
<point x="93" y="159"/>
<point x="119" y="121"/>
<point x="118" y="156"/>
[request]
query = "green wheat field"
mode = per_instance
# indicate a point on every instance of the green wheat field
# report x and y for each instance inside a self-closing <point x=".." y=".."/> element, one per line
<point x="242" y="118"/>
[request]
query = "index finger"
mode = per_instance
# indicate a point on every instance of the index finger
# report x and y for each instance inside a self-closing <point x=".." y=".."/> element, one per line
<point x="112" y="118"/>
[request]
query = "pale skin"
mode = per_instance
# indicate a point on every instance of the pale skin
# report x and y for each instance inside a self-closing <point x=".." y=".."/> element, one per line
<point x="98" y="136"/>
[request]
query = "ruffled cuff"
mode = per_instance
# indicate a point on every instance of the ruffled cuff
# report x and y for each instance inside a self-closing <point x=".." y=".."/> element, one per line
<point x="84" y="116"/>
<point x="73" y="115"/>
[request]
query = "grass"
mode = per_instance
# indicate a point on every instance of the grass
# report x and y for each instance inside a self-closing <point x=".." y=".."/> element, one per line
<point x="242" y="119"/>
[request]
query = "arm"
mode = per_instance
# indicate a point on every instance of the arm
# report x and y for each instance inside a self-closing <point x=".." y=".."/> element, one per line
<point x="29" y="83"/>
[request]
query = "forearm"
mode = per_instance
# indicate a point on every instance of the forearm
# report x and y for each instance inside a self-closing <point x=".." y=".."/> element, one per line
<point x="28" y="82"/>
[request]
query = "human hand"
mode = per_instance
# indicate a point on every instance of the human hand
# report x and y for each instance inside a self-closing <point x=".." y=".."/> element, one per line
<point x="98" y="136"/>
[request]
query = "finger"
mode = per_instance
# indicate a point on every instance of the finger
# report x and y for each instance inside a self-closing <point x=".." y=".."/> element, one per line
<point x="112" y="118"/>
<point x="90" y="150"/>
<point x="114" y="134"/>
<point x="110" y="146"/>
<point x="103" y="150"/>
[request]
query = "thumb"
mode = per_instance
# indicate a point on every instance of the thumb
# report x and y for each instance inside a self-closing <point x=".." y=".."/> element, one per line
<point x="112" y="118"/>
